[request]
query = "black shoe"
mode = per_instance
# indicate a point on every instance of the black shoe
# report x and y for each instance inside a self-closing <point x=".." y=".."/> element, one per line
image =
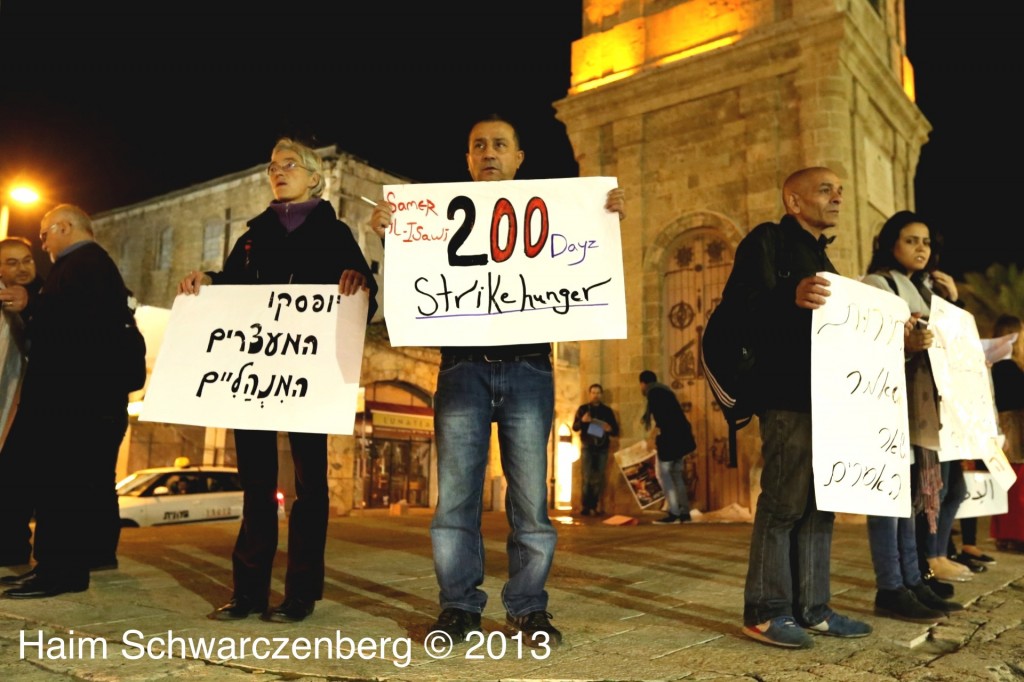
<point x="903" y="605"/>
<point x="983" y="558"/>
<point x="291" y="610"/>
<point x="237" y="609"/>
<point x="669" y="519"/>
<point x="969" y="561"/>
<point x="41" y="585"/>
<point x="927" y="596"/>
<point x="537" y="626"/>
<point x="19" y="579"/>
<point x="943" y="590"/>
<point x="586" y="512"/>
<point x="457" y="623"/>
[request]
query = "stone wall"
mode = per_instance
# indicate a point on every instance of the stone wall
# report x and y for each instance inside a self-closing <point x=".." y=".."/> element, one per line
<point x="715" y="134"/>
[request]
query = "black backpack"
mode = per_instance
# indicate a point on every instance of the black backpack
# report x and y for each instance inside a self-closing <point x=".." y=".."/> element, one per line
<point x="728" y="357"/>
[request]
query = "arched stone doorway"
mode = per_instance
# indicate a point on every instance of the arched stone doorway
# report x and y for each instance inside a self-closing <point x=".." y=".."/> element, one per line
<point x="695" y="256"/>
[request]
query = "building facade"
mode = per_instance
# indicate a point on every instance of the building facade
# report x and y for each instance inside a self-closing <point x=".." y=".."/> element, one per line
<point x="701" y="109"/>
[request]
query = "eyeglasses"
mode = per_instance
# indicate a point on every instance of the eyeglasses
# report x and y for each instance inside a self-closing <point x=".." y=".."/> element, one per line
<point x="286" y="167"/>
<point x="45" y="233"/>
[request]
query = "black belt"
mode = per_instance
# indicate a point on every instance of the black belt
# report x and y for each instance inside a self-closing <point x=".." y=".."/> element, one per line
<point x="491" y="357"/>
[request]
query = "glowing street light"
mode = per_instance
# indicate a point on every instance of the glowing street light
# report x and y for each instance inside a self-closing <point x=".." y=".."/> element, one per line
<point x="21" y="194"/>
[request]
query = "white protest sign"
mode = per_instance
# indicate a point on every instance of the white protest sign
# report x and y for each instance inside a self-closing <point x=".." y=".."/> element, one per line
<point x="859" y="430"/>
<point x="966" y="407"/>
<point x="983" y="497"/>
<point x="267" y="357"/>
<point x="505" y="262"/>
<point x="997" y="464"/>
<point x="999" y="348"/>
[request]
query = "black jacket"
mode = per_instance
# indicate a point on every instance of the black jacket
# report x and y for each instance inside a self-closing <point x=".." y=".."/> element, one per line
<point x="765" y="282"/>
<point x="1008" y="384"/>
<point x="316" y="252"/>
<point x="675" y="435"/>
<point x="599" y="411"/>
<point x="74" y="331"/>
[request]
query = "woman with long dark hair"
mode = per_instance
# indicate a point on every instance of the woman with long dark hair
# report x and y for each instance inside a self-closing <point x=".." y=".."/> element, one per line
<point x="904" y="262"/>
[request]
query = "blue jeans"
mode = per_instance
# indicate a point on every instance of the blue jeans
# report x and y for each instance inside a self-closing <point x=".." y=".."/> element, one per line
<point x="950" y="496"/>
<point x="954" y="488"/>
<point x="791" y="545"/>
<point x="893" y="543"/>
<point x="594" y="462"/>
<point x="670" y="475"/>
<point x="519" y="396"/>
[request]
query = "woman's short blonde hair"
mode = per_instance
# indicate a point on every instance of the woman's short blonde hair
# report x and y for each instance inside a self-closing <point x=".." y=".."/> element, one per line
<point x="311" y="161"/>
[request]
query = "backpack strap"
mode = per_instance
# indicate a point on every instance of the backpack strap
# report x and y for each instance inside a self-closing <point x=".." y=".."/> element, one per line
<point x="891" y="281"/>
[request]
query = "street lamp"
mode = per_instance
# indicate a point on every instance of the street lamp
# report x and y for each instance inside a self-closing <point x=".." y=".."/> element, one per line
<point x="21" y="194"/>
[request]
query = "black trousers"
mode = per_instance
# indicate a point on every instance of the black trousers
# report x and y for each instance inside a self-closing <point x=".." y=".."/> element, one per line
<point x="256" y="545"/>
<point x="17" y="503"/>
<point x="68" y="473"/>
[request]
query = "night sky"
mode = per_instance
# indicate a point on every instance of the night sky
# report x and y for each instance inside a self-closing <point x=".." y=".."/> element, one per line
<point x="106" y="103"/>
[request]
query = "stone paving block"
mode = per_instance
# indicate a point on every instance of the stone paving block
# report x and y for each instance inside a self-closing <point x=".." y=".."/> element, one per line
<point x="627" y="612"/>
<point x="887" y="660"/>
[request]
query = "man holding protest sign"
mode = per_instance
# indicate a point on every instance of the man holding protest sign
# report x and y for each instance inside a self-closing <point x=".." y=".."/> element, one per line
<point x="477" y="385"/>
<point x="297" y="240"/>
<point x="774" y="279"/>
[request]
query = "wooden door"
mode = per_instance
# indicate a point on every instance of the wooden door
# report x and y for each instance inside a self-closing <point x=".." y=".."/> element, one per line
<point x="697" y="265"/>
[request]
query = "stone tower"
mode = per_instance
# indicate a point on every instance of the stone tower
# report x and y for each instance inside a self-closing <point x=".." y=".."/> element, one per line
<point x="701" y="108"/>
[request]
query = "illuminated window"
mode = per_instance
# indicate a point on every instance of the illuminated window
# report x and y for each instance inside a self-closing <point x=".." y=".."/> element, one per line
<point x="213" y="242"/>
<point x="165" y="249"/>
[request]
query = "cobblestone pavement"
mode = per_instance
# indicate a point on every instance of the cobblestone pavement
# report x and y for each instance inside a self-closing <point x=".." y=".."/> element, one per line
<point x="641" y="602"/>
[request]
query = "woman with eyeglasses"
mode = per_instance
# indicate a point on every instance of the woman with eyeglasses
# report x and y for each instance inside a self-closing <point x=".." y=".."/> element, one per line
<point x="298" y="239"/>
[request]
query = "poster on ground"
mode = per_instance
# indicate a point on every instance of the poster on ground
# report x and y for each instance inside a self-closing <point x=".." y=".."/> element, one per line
<point x="268" y="357"/>
<point x="640" y="468"/>
<point x="505" y="262"/>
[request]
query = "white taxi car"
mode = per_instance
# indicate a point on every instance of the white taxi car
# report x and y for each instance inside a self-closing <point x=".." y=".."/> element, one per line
<point x="182" y="494"/>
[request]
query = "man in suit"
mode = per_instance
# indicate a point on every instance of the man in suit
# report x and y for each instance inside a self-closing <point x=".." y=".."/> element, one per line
<point x="72" y="412"/>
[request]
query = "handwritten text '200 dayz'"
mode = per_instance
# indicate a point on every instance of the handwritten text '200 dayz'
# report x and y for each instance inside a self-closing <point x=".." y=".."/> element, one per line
<point x="270" y="343"/>
<point x="476" y="297"/>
